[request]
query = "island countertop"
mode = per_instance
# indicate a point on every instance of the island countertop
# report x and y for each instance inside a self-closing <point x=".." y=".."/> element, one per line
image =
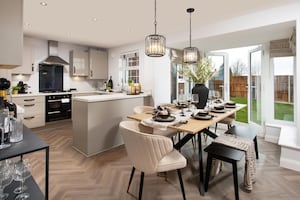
<point x="108" y="97"/>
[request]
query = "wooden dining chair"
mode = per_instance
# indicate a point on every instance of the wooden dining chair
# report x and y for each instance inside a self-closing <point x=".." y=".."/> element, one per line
<point x="150" y="153"/>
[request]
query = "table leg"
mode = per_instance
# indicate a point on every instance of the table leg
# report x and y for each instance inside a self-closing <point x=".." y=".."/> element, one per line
<point x="47" y="174"/>
<point x="201" y="178"/>
<point x="183" y="141"/>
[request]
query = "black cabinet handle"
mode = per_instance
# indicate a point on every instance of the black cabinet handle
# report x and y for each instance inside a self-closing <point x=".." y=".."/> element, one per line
<point x="29" y="99"/>
<point x="91" y="73"/>
<point x="29" y="105"/>
<point x="28" y="117"/>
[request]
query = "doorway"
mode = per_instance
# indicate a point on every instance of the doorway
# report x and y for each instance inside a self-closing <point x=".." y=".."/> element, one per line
<point x="232" y="80"/>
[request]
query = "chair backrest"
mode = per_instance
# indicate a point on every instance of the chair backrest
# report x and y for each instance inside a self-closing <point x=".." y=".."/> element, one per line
<point x="142" y="109"/>
<point x="144" y="150"/>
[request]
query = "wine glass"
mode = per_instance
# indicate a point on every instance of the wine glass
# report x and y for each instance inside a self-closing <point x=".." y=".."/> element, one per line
<point x="195" y="99"/>
<point x="181" y="100"/>
<point x="6" y="177"/>
<point x="189" y="100"/>
<point x="4" y="125"/>
<point x="21" y="173"/>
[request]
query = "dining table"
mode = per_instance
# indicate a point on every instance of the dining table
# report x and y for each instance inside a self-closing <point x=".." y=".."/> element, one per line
<point x="195" y="126"/>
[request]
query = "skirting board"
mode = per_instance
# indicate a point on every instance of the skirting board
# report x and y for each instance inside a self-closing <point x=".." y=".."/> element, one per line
<point x="290" y="158"/>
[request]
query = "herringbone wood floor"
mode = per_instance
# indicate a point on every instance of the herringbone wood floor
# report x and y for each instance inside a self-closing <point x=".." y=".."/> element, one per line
<point x="105" y="176"/>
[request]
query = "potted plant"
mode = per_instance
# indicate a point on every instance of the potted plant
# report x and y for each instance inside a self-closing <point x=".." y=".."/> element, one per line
<point x="15" y="89"/>
<point x="199" y="73"/>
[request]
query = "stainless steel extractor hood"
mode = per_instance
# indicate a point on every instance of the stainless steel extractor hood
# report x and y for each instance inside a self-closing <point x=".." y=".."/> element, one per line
<point x="53" y="58"/>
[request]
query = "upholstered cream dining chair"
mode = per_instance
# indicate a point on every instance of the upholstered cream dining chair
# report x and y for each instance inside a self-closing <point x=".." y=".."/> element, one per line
<point x="228" y="120"/>
<point x="150" y="153"/>
<point x="149" y="109"/>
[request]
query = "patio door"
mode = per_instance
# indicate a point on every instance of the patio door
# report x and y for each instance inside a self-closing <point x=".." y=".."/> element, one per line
<point x="219" y="84"/>
<point x="254" y="86"/>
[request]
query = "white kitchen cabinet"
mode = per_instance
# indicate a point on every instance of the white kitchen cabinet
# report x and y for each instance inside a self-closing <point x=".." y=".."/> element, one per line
<point x="79" y="63"/>
<point x="34" y="110"/>
<point x="27" y="66"/>
<point x="98" y="64"/>
<point x="11" y="33"/>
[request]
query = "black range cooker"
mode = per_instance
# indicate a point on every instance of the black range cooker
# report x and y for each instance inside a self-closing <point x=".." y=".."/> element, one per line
<point x="58" y="107"/>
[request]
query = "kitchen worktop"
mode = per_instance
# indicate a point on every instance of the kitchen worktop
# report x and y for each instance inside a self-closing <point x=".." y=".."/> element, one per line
<point x="108" y="97"/>
<point x="59" y="93"/>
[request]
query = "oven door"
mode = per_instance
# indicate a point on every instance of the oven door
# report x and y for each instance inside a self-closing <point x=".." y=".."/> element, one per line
<point x="58" y="108"/>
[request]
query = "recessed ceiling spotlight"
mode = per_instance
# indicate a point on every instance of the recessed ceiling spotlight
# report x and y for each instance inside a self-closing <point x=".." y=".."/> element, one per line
<point x="95" y="19"/>
<point x="43" y="4"/>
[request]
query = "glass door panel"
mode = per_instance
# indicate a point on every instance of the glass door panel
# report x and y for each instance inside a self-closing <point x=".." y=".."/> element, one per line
<point x="255" y="86"/>
<point x="217" y="83"/>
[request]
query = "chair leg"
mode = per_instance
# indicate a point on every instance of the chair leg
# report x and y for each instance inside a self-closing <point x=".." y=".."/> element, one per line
<point x="235" y="180"/>
<point x="141" y="186"/>
<point x="181" y="183"/>
<point x="256" y="147"/>
<point x="216" y="127"/>
<point x="131" y="176"/>
<point x="208" y="169"/>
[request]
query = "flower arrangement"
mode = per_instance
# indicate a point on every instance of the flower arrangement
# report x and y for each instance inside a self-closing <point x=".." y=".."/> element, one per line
<point x="200" y="73"/>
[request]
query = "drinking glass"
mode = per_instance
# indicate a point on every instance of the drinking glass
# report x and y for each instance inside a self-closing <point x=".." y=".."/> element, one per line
<point x="21" y="173"/>
<point x="181" y="100"/>
<point x="4" y="127"/>
<point x="6" y="177"/>
<point x="195" y="98"/>
<point x="189" y="100"/>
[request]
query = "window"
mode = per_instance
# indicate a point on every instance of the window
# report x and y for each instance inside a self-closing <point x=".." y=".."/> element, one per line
<point x="284" y="88"/>
<point x="130" y="68"/>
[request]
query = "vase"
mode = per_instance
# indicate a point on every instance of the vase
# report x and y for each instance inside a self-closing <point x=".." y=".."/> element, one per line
<point x="202" y="92"/>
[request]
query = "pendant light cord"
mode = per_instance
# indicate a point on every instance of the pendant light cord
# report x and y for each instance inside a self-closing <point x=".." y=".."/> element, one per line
<point x="190" y="29"/>
<point x="155" y="22"/>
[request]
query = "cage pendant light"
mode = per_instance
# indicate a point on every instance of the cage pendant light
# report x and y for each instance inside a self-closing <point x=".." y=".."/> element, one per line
<point x="190" y="54"/>
<point x="155" y="45"/>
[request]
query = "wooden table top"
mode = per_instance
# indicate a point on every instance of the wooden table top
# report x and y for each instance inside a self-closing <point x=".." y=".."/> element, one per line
<point x="194" y="126"/>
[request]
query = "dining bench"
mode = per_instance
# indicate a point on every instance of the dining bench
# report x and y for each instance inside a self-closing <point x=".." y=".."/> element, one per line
<point x="226" y="154"/>
<point x="245" y="132"/>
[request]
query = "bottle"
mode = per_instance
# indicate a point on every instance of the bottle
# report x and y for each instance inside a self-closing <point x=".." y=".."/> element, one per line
<point x="137" y="89"/>
<point x="132" y="88"/>
<point x="110" y="84"/>
<point x="140" y="87"/>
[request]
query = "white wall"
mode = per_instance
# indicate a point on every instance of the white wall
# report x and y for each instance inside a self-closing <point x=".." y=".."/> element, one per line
<point x="154" y="72"/>
<point x="40" y="52"/>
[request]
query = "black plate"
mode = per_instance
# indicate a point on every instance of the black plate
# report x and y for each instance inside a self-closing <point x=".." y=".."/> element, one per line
<point x="160" y="119"/>
<point x="218" y="111"/>
<point x="230" y="106"/>
<point x="181" y="105"/>
<point x="205" y="117"/>
<point x="231" y="103"/>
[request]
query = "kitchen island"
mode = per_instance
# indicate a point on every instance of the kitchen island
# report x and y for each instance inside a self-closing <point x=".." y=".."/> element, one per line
<point x="96" y="120"/>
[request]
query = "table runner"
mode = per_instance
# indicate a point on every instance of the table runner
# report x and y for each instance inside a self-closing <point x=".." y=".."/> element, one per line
<point x="246" y="145"/>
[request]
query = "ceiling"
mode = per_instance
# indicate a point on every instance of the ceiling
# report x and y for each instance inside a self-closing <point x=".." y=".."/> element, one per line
<point x="111" y="23"/>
